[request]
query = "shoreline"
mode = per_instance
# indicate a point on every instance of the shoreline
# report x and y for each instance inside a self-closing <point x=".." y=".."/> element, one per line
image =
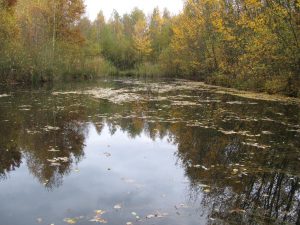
<point x="251" y="94"/>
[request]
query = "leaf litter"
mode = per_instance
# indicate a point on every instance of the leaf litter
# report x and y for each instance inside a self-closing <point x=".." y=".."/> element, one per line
<point x="50" y="128"/>
<point x="56" y="161"/>
<point x="117" y="96"/>
<point x="107" y="154"/>
<point x="156" y="215"/>
<point x="70" y="220"/>
<point x="118" y="206"/>
<point x="4" y="95"/>
<point x="98" y="217"/>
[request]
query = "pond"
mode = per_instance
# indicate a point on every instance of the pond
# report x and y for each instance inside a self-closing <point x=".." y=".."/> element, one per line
<point x="127" y="151"/>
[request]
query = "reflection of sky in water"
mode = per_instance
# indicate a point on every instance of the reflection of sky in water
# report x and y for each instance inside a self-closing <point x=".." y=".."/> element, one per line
<point x="141" y="175"/>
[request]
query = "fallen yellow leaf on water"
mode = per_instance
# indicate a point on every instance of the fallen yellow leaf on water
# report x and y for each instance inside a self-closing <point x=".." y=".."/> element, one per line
<point x="235" y="170"/>
<point x="237" y="211"/>
<point x="70" y="220"/>
<point x="99" y="212"/>
<point x="98" y="220"/>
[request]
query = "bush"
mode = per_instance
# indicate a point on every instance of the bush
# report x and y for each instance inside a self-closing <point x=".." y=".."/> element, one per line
<point x="148" y="69"/>
<point x="276" y="85"/>
<point x="220" y="79"/>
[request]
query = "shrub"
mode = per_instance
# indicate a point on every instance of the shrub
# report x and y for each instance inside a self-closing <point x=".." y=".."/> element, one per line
<point x="276" y="85"/>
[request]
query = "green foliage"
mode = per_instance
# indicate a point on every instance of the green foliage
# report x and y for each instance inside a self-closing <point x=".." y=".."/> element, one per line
<point x="148" y="70"/>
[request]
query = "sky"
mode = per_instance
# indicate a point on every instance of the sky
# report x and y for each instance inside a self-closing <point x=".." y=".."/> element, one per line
<point x="125" y="6"/>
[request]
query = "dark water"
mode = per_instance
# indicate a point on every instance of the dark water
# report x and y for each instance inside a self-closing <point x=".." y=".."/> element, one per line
<point x="155" y="153"/>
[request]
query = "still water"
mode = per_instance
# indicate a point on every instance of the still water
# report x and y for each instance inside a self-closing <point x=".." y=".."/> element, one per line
<point x="146" y="152"/>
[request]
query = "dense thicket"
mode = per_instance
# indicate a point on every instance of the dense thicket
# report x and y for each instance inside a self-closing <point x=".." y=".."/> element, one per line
<point x="242" y="43"/>
<point x="39" y="38"/>
<point x="249" y="44"/>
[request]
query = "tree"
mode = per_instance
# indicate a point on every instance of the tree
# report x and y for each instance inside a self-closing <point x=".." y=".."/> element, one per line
<point x="141" y="39"/>
<point x="9" y="38"/>
<point x="155" y="31"/>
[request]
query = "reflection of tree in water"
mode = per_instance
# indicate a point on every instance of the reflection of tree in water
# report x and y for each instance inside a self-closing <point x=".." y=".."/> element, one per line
<point x="240" y="184"/>
<point x="43" y="133"/>
<point x="243" y="187"/>
<point x="263" y="198"/>
<point x="10" y="154"/>
<point x="65" y="143"/>
<point x="10" y="159"/>
<point x="69" y="143"/>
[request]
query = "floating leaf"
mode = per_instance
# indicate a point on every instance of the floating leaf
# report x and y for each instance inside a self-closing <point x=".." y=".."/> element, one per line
<point x="70" y="220"/>
<point x="97" y="218"/>
<point x="237" y="211"/>
<point x="99" y="212"/>
<point x="203" y="185"/>
<point x="203" y="167"/>
<point x="49" y="128"/>
<point x="118" y="206"/>
<point x="266" y="132"/>
<point x="53" y="150"/>
<point x="156" y="215"/>
<point x="107" y="154"/>
<point x="235" y="170"/>
<point x="150" y="216"/>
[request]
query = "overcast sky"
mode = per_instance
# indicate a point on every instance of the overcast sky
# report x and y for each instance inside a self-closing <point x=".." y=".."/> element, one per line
<point x="124" y="6"/>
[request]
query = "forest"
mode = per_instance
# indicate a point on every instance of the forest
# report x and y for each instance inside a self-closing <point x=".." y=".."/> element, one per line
<point x="245" y="44"/>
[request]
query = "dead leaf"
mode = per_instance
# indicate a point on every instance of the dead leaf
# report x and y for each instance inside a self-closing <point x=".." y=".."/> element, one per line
<point x="118" y="206"/>
<point x="70" y="220"/>
<point x="237" y="211"/>
<point x="107" y="154"/>
<point x="207" y="190"/>
<point x="150" y="216"/>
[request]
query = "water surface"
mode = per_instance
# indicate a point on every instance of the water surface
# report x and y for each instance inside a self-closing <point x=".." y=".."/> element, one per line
<point x="146" y="152"/>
